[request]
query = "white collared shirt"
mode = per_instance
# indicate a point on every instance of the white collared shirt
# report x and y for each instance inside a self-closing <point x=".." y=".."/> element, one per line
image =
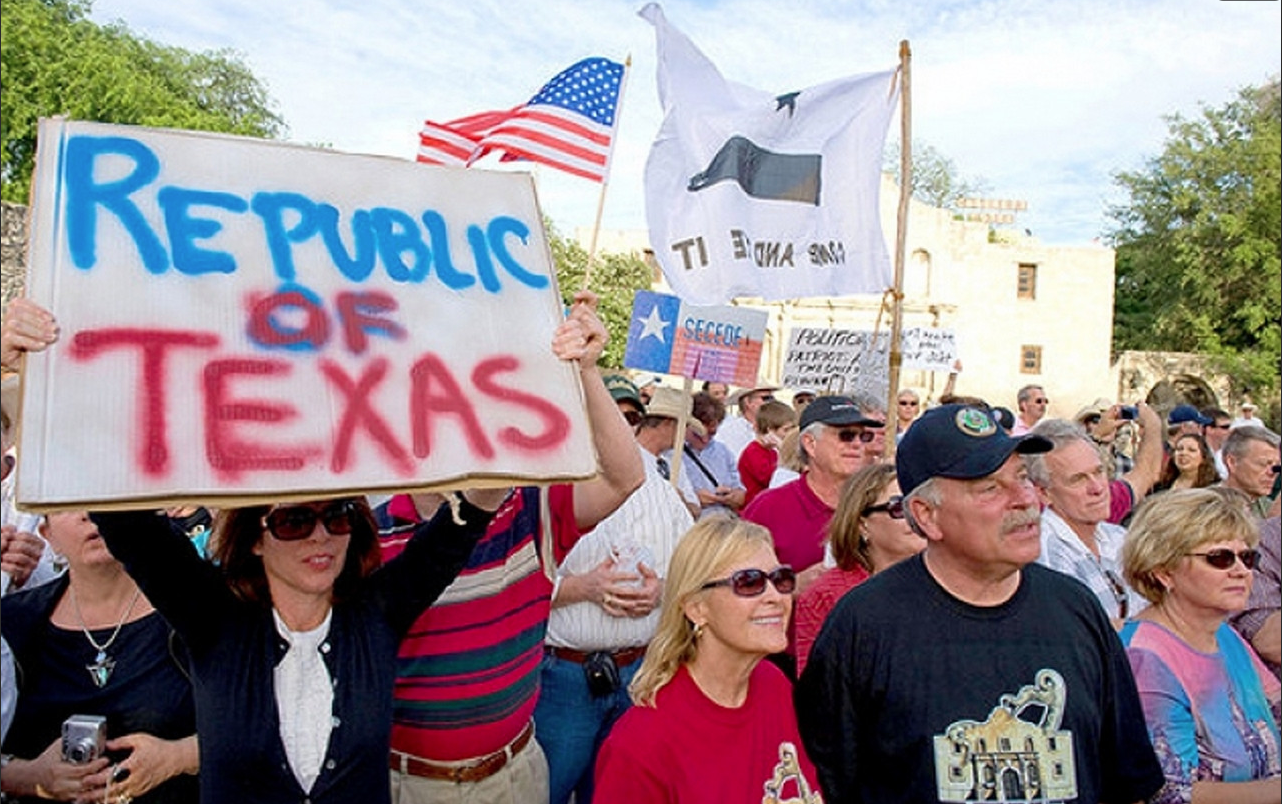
<point x="1064" y="551"/>
<point x="304" y="699"/>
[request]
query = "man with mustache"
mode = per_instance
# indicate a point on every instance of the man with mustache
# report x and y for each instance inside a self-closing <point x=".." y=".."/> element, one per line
<point x="969" y="672"/>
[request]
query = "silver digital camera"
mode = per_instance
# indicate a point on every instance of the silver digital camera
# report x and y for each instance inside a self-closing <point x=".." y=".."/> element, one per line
<point x="84" y="738"/>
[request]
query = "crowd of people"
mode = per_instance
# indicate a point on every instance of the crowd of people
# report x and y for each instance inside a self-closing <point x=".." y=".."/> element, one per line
<point x="798" y="604"/>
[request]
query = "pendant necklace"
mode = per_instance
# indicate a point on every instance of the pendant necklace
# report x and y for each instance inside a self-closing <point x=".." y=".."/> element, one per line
<point x="100" y="670"/>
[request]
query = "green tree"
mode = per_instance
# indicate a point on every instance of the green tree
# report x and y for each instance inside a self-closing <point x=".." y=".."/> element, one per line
<point x="615" y="279"/>
<point x="935" y="180"/>
<point x="55" y="61"/>
<point x="1198" y="241"/>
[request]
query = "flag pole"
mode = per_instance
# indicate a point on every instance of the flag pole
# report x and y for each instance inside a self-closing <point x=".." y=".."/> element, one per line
<point x="901" y="235"/>
<point x="605" y="178"/>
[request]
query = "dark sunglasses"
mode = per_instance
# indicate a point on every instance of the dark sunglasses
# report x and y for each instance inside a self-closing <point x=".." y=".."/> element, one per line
<point x="847" y="436"/>
<point x="908" y="402"/>
<point x="1042" y="401"/>
<point x="752" y="582"/>
<point x="893" y="508"/>
<point x="1119" y="593"/>
<point x="1223" y="558"/>
<point x="298" y="521"/>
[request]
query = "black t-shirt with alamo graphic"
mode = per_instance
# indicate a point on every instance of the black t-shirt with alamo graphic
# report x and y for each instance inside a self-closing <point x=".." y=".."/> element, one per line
<point x="913" y="695"/>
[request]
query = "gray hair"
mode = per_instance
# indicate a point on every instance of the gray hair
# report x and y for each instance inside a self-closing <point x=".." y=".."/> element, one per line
<point x="1061" y="433"/>
<point x="929" y="492"/>
<point x="1026" y="393"/>
<point x="868" y="403"/>
<point x="1240" y="438"/>
<point x="815" y="430"/>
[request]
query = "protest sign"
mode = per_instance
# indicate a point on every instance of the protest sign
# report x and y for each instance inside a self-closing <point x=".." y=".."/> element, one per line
<point x="929" y="348"/>
<point x="718" y="344"/>
<point x="838" y="361"/>
<point x="245" y="320"/>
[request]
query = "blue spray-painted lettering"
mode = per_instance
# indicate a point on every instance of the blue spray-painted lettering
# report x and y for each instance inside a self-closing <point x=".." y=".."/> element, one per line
<point x="183" y="229"/>
<point x="481" y="253"/>
<point x="358" y="267"/>
<point x="500" y="227"/>
<point x="271" y="208"/>
<point x="397" y="234"/>
<point x="84" y="196"/>
<point x="268" y="330"/>
<point x="445" y="269"/>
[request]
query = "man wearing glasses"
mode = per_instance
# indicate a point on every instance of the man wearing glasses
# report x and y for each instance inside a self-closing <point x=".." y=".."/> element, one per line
<point x="1031" y="401"/>
<point x="1215" y="433"/>
<point x="968" y="672"/>
<point x="1251" y="456"/>
<point x="1077" y="538"/>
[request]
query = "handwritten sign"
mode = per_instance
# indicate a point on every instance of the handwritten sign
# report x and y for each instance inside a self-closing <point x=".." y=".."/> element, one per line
<point x="929" y="348"/>
<point x="714" y="343"/>
<point x="245" y="320"/>
<point x="838" y="361"/>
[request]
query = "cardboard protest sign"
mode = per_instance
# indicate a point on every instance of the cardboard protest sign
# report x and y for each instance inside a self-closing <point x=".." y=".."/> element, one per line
<point x="245" y="320"/>
<point x="838" y="361"/>
<point x="929" y="348"/>
<point x="714" y="343"/>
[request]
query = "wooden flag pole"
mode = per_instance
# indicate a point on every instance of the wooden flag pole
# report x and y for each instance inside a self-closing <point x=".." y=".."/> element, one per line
<point x="605" y="179"/>
<point x="679" y="443"/>
<point x="901" y="236"/>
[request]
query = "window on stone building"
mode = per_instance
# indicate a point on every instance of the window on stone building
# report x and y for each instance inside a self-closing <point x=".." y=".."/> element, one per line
<point x="1030" y="359"/>
<point x="1027" y="288"/>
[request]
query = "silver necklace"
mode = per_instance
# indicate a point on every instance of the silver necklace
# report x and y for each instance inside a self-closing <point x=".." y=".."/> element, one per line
<point x="103" y="665"/>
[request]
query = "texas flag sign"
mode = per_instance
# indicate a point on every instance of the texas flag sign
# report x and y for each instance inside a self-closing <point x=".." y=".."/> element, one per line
<point x="716" y="343"/>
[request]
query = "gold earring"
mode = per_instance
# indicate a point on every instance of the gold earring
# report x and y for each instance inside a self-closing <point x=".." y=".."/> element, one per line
<point x="697" y="631"/>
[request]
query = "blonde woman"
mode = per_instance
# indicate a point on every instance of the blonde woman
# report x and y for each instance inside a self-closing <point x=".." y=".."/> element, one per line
<point x="867" y="534"/>
<point x="712" y="722"/>
<point x="1210" y="704"/>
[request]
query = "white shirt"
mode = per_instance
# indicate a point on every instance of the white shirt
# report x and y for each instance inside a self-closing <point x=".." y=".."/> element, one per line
<point x="1064" y="551"/>
<point x="304" y="699"/>
<point x="652" y="519"/>
<point x="8" y="688"/>
<point x="736" y="433"/>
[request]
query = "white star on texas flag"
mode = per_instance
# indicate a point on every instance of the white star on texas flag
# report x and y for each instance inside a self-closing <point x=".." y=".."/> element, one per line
<point x="653" y="325"/>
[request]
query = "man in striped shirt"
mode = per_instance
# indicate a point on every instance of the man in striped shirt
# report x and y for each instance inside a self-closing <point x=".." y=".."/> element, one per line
<point x="468" y="671"/>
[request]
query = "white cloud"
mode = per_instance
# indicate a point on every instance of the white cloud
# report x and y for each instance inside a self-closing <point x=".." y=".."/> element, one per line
<point x="1044" y="99"/>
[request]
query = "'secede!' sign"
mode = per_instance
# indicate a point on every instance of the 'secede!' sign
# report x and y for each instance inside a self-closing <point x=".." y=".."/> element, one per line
<point x="245" y="320"/>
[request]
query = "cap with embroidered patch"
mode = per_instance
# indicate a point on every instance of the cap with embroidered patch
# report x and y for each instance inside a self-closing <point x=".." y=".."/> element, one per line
<point x="957" y="441"/>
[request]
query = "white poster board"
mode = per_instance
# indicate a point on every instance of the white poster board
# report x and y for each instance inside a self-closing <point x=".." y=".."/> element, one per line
<point x="838" y="361"/>
<point x="928" y="348"/>
<point x="248" y="320"/>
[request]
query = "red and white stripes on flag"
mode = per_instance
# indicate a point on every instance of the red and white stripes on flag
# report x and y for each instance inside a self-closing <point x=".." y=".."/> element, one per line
<point x="568" y="125"/>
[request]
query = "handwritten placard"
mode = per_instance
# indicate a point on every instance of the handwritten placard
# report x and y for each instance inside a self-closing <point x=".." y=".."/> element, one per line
<point x="717" y="343"/>
<point x="246" y="320"/>
<point x="838" y="361"/>
<point x="929" y="348"/>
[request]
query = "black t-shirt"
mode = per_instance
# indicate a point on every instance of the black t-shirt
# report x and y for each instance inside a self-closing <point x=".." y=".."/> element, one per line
<point x="913" y="695"/>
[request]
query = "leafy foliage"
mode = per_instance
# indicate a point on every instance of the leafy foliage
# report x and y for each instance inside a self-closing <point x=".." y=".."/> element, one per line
<point x="615" y="279"/>
<point x="935" y="180"/>
<point x="55" y="61"/>
<point x="1198" y="242"/>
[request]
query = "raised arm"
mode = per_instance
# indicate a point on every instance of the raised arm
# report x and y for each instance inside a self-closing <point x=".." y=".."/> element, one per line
<point x="582" y="338"/>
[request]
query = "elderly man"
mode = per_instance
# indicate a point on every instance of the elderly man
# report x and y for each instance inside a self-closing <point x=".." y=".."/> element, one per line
<point x="707" y="463"/>
<point x="604" y="611"/>
<point x="1031" y="401"/>
<point x="1251" y="458"/>
<point x="1077" y="538"/>
<point x="738" y="431"/>
<point x="969" y="672"/>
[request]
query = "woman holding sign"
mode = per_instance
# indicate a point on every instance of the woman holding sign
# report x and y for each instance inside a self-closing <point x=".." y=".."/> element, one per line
<point x="292" y="632"/>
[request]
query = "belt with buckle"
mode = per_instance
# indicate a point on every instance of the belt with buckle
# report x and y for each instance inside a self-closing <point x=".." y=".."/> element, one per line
<point x="475" y="771"/>
<point x="621" y="657"/>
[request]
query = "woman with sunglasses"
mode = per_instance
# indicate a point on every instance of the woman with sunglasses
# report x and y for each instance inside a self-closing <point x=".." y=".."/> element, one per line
<point x="867" y="534"/>
<point x="1211" y="706"/>
<point x="713" y="722"/>
<point x="293" y="631"/>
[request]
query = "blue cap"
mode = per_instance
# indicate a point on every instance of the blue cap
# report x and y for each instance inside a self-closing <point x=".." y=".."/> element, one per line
<point x="1187" y="413"/>
<point x="835" y="411"/>
<point x="958" y="441"/>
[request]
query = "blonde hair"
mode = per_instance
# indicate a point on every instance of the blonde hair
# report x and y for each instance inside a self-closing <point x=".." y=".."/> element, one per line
<point x="849" y="547"/>
<point x="790" y="452"/>
<point x="702" y="555"/>
<point x="1169" y="526"/>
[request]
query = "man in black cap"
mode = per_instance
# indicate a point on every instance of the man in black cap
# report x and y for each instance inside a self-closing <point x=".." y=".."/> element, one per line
<point x="969" y="673"/>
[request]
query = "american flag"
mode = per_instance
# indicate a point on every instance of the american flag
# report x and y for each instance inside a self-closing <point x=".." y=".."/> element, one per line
<point x="568" y="124"/>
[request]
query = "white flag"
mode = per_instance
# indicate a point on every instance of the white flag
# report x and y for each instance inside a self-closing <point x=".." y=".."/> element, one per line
<point x="753" y="194"/>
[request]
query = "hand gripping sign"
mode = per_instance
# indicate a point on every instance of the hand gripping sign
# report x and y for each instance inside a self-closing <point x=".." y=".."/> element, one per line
<point x="245" y="320"/>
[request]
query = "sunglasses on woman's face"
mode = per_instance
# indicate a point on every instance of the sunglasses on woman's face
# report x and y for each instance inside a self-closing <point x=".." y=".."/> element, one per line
<point x="752" y="582"/>
<point x="893" y="508"/>
<point x="296" y="522"/>
<point x="1223" y="558"/>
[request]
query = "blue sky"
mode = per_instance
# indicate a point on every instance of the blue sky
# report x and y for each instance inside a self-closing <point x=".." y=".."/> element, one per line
<point x="1041" y="99"/>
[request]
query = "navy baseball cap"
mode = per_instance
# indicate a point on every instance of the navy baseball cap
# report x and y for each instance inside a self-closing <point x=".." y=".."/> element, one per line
<point x="1187" y="413"/>
<point x="838" y="411"/>
<point x="958" y="441"/>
